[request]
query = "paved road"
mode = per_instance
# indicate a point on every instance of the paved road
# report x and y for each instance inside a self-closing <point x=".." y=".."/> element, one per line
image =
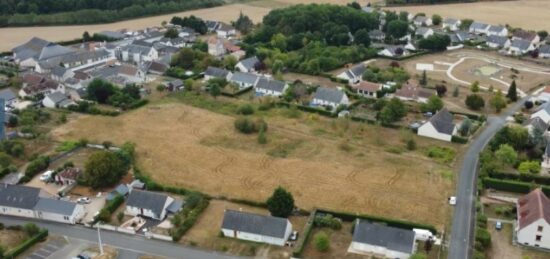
<point x="462" y="233"/>
<point x="129" y="245"/>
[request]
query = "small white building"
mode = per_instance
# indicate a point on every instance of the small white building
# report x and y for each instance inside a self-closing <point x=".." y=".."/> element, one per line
<point x="533" y="220"/>
<point x="353" y="75"/>
<point x="57" y="100"/>
<point x="256" y="228"/>
<point x="225" y="30"/>
<point x="270" y="87"/>
<point x="215" y="47"/>
<point x="497" y="30"/>
<point x="422" y="21"/>
<point x="149" y="204"/>
<point x="451" y="24"/>
<point x="424" y="32"/>
<point x="244" y="80"/>
<point x="329" y="97"/>
<point x="367" y="89"/>
<point x="214" y="72"/>
<point x="59" y="210"/>
<point x="543" y="113"/>
<point x="248" y="65"/>
<point x="382" y="241"/>
<point x="440" y="126"/>
<point x="479" y="28"/>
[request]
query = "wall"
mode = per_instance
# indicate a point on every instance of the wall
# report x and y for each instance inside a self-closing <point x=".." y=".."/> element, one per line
<point x="16" y="212"/>
<point x="253" y="237"/>
<point x="428" y="130"/>
<point x="529" y="233"/>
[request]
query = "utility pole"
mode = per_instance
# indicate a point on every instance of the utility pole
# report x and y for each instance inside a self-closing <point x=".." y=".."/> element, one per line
<point x="99" y="239"/>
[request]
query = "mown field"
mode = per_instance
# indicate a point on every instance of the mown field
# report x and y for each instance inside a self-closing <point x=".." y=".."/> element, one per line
<point x="325" y="163"/>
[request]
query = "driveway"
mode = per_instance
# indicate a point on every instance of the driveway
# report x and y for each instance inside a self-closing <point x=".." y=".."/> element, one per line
<point x="46" y="250"/>
<point x="94" y="206"/>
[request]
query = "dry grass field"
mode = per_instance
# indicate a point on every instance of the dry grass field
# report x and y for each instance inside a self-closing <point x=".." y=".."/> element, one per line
<point x="9" y="239"/>
<point x="338" y="165"/>
<point x="528" y="14"/>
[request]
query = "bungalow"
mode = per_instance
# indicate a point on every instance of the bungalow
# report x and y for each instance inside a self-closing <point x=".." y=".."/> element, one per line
<point x="530" y="36"/>
<point x="248" y="65"/>
<point x="154" y="67"/>
<point x="377" y="35"/>
<point x="498" y="42"/>
<point x="520" y="47"/>
<point x="329" y="97"/>
<point x="225" y="30"/>
<point x="440" y="126"/>
<point x="451" y="24"/>
<point x="58" y="210"/>
<point x="411" y="92"/>
<point x="256" y="228"/>
<point x="148" y="204"/>
<point x="424" y="32"/>
<point x="57" y="100"/>
<point x="215" y="47"/>
<point x="533" y="220"/>
<point x="367" y="89"/>
<point x="497" y="30"/>
<point x="382" y="241"/>
<point x="353" y="75"/>
<point x="394" y="51"/>
<point x="214" y="72"/>
<point x="544" y="51"/>
<point x="422" y="21"/>
<point x="543" y="113"/>
<point x="244" y="80"/>
<point x="479" y="28"/>
<point x="270" y="87"/>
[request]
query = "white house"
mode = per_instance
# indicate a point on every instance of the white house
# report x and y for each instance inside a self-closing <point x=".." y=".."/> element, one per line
<point x="422" y="21"/>
<point x="544" y="51"/>
<point x="329" y="97"/>
<point x="214" y="72"/>
<point x="367" y="89"/>
<point x="451" y="24"/>
<point x="440" y="126"/>
<point x="270" y="87"/>
<point x="497" y="30"/>
<point x="244" y="80"/>
<point x="353" y="75"/>
<point x="533" y="220"/>
<point x="57" y="100"/>
<point x="59" y="210"/>
<point x="498" y="42"/>
<point x="520" y="47"/>
<point x="148" y="204"/>
<point x="225" y="30"/>
<point x="394" y="51"/>
<point x="248" y="65"/>
<point x="424" y="32"/>
<point x="19" y="200"/>
<point x="382" y="241"/>
<point x="543" y="112"/>
<point x="138" y="52"/>
<point x="530" y="36"/>
<point x="256" y="228"/>
<point x="479" y="28"/>
<point x="215" y="47"/>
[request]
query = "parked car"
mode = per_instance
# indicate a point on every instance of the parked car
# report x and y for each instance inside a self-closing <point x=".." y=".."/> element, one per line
<point x="46" y="176"/>
<point x="452" y="200"/>
<point x="83" y="200"/>
<point x="498" y="225"/>
<point x="293" y="236"/>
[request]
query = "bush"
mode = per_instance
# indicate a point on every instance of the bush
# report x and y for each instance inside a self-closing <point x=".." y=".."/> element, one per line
<point x="247" y="126"/>
<point x="37" y="165"/>
<point x="327" y="221"/>
<point x="31" y="229"/>
<point x="441" y="154"/>
<point x="321" y="241"/>
<point x="506" y="185"/>
<point x="246" y="109"/>
<point x="483" y="237"/>
<point x="459" y="140"/>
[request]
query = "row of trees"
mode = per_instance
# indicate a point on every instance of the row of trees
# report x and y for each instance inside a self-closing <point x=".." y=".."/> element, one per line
<point x="498" y="100"/>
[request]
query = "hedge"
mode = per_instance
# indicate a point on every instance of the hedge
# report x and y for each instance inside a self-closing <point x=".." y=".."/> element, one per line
<point x="27" y="244"/>
<point x="345" y="216"/>
<point x="470" y="116"/>
<point x="507" y="185"/>
<point x="299" y="248"/>
<point x="458" y="139"/>
<point x="238" y="93"/>
<point x="309" y="109"/>
<point x="530" y="178"/>
<point x="406" y="57"/>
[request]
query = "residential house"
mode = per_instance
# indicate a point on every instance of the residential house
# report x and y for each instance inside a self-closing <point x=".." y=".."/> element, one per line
<point x="248" y="65"/>
<point x="530" y="36"/>
<point x="148" y="204"/>
<point x="545" y="163"/>
<point x="394" y="51"/>
<point x="368" y="9"/>
<point x="411" y="92"/>
<point x="57" y="100"/>
<point x="520" y="47"/>
<point x="382" y="241"/>
<point x="543" y="112"/>
<point x="367" y="89"/>
<point x="175" y="85"/>
<point x="34" y="84"/>
<point x="440" y="126"/>
<point x="186" y="32"/>
<point x="225" y="30"/>
<point x="536" y="124"/>
<point x="120" y="74"/>
<point x="121" y="189"/>
<point x="113" y="35"/>
<point x="270" y="87"/>
<point x="154" y="67"/>
<point x="424" y="32"/>
<point x="544" y="51"/>
<point x="215" y="47"/>
<point x="377" y="35"/>
<point x="60" y="73"/>
<point x="244" y="80"/>
<point x="329" y="97"/>
<point x="138" y="53"/>
<point x="256" y="228"/>
<point x="353" y="75"/>
<point x="9" y="97"/>
<point x="214" y="72"/>
<point x="212" y="26"/>
<point x="544" y="96"/>
<point x="497" y="30"/>
<point x="463" y="36"/>
<point x="498" y="42"/>
<point x="533" y="220"/>
<point x="67" y="176"/>
<point x="422" y="21"/>
<point x="451" y="24"/>
<point x="479" y="28"/>
<point x="59" y="210"/>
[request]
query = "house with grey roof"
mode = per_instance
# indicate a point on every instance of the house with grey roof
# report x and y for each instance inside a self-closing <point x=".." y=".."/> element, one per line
<point x="57" y="100"/>
<point x="451" y="24"/>
<point x="544" y="51"/>
<point x="536" y="124"/>
<point x="422" y="21"/>
<point x="353" y="75"/>
<point x="244" y="80"/>
<point x="225" y="30"/>
<point x="256" y="228"/>
<point x="520" y="47"/>
<point x="377" y="35"/>
<point x="530" y="36"/>
<point x="112" y="34"/>
<point x="27" y="53"/>
<point x="270" y="87"/>
<point x="394" y="51"/>
<point x="329" y="97"/>
<point x="148" y="204"/>
<point x="248" y="65"/>
<point x="382" y="241"/>
<point x="479" y="28"/>
<point x="58" y="210"/>
<point x="153" y="67"/>
<point x="214" y="72"/>
<point x="440" y="126"/>
<point x="138" y="53"/>
<point x="9" y="96"/>
<point x="463" y="36"/>
<point x="424" y="32"/>
<point x="543" y="112"/>
<point x="212" y="26"/>
<point x="498" y="42"/>
<point x="497" y="30"/>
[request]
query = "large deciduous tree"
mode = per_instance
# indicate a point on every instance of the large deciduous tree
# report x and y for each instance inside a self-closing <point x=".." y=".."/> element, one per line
<point x="281" y="203"/>
<point x="104" y="169"/>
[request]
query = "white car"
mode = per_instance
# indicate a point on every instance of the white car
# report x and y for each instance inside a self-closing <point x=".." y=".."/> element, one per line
<point x="83" y="200"/>
<point x="452" y="200"/>
<point x="46" y="176"/>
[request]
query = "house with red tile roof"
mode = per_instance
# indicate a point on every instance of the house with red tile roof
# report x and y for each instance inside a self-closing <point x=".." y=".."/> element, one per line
<point x="533" y="220"/>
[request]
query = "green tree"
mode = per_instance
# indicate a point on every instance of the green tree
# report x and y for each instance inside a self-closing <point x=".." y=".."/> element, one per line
<point x="433" y="104"/>
<point x="404" y="16"/>
<point x="362" y="37"/>
<point x="5" y="160"/>
<point x="279" y="41"/>
<point x="86" y="36"/>
<point x="262" y="139"/>
<point x="498" y="102"/>
<point x="465" y="127"/>
<point x="31" y="229"/>
<point x="418" y="256"/>
<point x="542" y="34"/>
<point x="474" y="87"/>
<point x="506" y="154"/>
<point x="171" y="33"/>
<point x="424" y="79"/>
<point x="475" y="102"/>
<point x="436" y="19"/>
<point x="321" y="241"/>
<point x="104" y="169"/>
<point x="120" y="216"/>
<point x="229" y="62"/>
<point x="397" y="29"/>
<point x="393" y="111"/>
<point x="277" y="67"/>
<point x="281" y="203"/>
<point x="532" y="167"/>
<point x="437" y="42"/>
<point x="244" y="24"/>
<point x="456" y="92"/>
<point x="100" y="90"/>
<point x="411" y="144"/>
<point x="465" y="24"/>
<point x="512" y="92"/>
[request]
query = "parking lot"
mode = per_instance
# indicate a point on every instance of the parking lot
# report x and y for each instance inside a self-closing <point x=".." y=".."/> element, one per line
<point x="47" y="249"/>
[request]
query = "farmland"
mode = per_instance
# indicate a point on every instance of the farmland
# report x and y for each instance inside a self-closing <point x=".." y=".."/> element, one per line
<point x="325" y="163"/>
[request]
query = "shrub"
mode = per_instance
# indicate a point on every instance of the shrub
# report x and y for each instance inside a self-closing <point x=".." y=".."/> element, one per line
<point x="31" y="229"/>
<point x="475" y="102"/>
<point x="327" y="221"/>
<point x="321" y="241"/>
<point x="37" y="165"/>
<point x="483" y="236"/>
<point x="441" y="154"/>
<point x="411" y="144"/>
<point x="246" y="109"/>
<point x="247" y="126"/>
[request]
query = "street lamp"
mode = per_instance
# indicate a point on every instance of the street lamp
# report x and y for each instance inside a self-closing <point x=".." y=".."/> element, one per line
<point x="99" y="239"/>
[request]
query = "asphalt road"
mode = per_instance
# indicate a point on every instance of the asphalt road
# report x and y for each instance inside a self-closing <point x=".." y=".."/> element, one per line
<point x="129" y="246"/>
<point x="462" y="233"/>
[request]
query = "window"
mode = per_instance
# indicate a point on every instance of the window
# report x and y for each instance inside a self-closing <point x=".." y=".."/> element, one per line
<point x="539" y="229"/>
<point x="538" y="237"/>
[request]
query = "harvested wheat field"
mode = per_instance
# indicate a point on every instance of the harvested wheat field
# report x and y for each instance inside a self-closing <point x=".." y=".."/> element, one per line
<point x="527" y="14"/>
<point x="14" y="36"/>
<point x="198" y="149"/>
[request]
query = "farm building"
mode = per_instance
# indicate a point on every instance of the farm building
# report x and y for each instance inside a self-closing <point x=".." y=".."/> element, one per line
<point x="329" y="97"/>
<point x="440" y="126"/>
<point x="148" y="204"/>
<point x="257" y="228"/>
<point x="382" y="241"/>
<point x="533" y="220"/>
<point x="270" y="87"/>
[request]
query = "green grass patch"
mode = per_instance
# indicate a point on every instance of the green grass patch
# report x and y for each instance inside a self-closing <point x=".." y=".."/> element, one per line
<point x="205" y="102"/>
<point x="67" y="146"/>
<point x="447" y="175"/>
<point x="285" y="149"/>
<point x="442" y="155"/>
<point x="395" y="150"/>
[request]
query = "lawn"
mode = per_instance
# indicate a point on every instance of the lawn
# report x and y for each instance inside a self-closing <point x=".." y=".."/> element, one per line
<point x="336" y="164"/>
<point x="9" y="239"/>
